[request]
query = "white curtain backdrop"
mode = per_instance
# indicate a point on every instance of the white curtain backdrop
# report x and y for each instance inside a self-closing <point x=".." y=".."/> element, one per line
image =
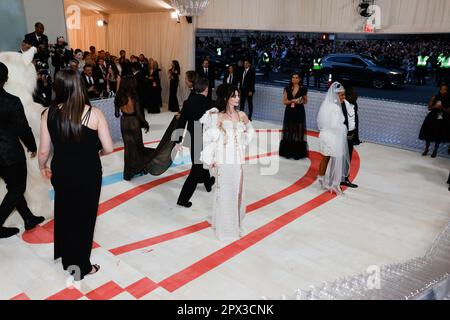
<point x="397" y="16"/>
<point x="156" y="35"/>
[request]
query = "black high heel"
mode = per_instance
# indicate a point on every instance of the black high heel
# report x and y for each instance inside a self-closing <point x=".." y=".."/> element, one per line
<point x="96" y="269"/>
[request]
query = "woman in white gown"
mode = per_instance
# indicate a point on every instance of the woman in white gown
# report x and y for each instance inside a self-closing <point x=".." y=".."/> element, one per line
<point x="227" y="134"/>
<point x="335" y="163"/>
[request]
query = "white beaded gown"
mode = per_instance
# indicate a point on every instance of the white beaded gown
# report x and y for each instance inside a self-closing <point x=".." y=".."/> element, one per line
<point x="224" y="149"/>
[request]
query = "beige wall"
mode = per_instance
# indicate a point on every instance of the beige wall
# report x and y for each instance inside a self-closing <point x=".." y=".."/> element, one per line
<point x="50" y="13"/>
<point x="397" y="16"/>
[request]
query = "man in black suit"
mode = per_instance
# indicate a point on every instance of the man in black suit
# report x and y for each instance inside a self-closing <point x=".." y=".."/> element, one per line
<point x="14" y="128"/>
<point x="193" y="110"/>
<point x="91" y="82"/>
<point x="231" y="77"/>
<point x="141" y="85"/>
<point x="247" y="86"/>
<point x="101" y="72"/>
<point x="206" y="71"/>
<point x="37" y="38"/>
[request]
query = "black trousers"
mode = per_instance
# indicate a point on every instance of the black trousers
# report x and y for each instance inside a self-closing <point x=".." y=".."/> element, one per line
<point x="317" y="77"/>
<point x="244" y="98"/>
<point x="15" y="177"/>
<point x="197" y="175"/>
<point x="351" y="145"/>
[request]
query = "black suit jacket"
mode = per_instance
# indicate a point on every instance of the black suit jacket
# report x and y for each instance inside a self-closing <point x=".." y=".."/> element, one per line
<point x="211" y="76"/>
<point x="248" y="83"/>
<point x="101" y="73"/>
<point x="31" y="38"/>
<point x="141" y="81"/>
<point x="92" y="95"/>
<point x="13" y="128"/>
<point x="235" y="80"/>
<point x="193" y="110"/>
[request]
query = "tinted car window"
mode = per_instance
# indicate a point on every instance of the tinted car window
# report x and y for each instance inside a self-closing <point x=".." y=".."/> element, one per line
<point x="343" y="59"/>
<point x="358" y="62"/>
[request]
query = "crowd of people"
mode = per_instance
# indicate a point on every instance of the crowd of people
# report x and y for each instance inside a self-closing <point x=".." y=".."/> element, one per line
<point x="74" y="134"/>
<point x="101" y="71"/>
<point x="284" y="53"/>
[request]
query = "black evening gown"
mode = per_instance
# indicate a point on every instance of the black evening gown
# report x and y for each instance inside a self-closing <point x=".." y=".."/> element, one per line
<point x="174" y="106"/>
<point x="76" y="179"/>
<point x="137" y="158"/>
<point x="293" y="143"/>
<point x="436" y="126"/>
<point x="154" y="103"/>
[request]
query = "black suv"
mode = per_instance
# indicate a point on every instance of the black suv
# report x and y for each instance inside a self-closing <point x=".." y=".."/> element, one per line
<point x="359" y="68"/>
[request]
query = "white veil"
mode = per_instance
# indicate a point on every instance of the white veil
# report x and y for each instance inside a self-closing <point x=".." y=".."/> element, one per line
<point x="333" y="136"/>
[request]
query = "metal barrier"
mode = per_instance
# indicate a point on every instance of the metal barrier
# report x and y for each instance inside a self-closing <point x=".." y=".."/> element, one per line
<point x="381" y="121"/>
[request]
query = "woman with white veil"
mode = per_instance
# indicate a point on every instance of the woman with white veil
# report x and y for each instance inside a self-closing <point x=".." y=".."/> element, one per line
<point x="335" y="163"/>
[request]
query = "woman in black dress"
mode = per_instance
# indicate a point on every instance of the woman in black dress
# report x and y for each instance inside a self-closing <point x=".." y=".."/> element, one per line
<point x="293" y="143"/>
<point x="154" y="90"/>
<point x="174" y="77"/>
<point x="79" y="134"/>
<point x="137" y="158"/>
<point x="435" y="128"/>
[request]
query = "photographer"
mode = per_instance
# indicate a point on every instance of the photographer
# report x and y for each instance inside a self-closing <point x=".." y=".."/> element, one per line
<point x="61" y="56"/>
<point x="43" y="93"/>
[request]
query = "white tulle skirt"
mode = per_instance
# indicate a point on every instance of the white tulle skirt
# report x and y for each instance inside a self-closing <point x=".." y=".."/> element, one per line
<point x="333" y="144"/>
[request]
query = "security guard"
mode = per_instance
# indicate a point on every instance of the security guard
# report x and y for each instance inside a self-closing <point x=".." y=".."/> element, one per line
<point x="421" y="68"/>
<point x="317" y="71"/>
<point x="266" y="61"/>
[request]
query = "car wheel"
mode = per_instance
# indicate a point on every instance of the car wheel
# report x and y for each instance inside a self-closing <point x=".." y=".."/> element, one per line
<point x="379" y="83"/>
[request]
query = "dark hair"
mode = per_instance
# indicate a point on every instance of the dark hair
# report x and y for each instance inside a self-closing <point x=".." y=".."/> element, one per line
<point x="88" y="66"/>
<point x="201" y="84"/>
<point x="247" y="60"/>
<point x="78" y="51"/>
<point x="3" y="73"/>
<point x="127" y="90"/>
<point x="71" y="95"/>
<point x="26" y="41"/>
<point x="37" y="24"/>
<point x="295" y="73"/>
<point x="122" y="51"/>
<point x="91" y="48"/>
<point x="224" y="92"/>
<point x="176" y="66"/>
<point x="191" y="76"/>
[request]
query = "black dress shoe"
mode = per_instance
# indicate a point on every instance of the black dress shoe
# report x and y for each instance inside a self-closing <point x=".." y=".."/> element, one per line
<point x="8" y="232"/>
<point x="210" y="184"/>
<point x="186" y="205"/>
<point x="347" y="183"/>
<point x="33" y="222"/>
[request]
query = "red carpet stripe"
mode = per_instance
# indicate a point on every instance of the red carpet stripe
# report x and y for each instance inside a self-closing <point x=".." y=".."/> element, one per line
<point x="219" y="257"/>
<point x="303" y="183"/>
